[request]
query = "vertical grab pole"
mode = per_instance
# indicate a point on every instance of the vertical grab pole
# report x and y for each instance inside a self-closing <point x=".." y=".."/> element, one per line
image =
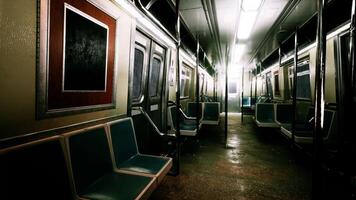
<point x="352" y="51"/>
<point x="178" y="87"/>
<point x="250" y="80"/>
<point x="242" y="95"/>
<point x="197" y="84"/>
<point x="256" y="86"/>
<point x="226" y="98"/>
<point x="319" y="100"/>
<point x="295" y="75"/>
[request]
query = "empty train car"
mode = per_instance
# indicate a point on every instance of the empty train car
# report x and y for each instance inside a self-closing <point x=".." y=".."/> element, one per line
<point x="177" y="99"/>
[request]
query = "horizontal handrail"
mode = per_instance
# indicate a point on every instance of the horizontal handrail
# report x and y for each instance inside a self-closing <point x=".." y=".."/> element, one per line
<point x="148" y="118"/>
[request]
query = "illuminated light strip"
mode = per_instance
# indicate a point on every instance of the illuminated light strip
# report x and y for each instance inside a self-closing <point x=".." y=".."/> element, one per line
<point x="143" y="21"/>
<point x="246" y="24"/>
<point x="330" y="35"/>
<point x="251" y="5"/>
<point x="187" y="57"/>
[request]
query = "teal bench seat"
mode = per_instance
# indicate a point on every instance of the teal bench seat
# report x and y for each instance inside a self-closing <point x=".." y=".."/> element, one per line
<point x="192" y="109"/>
<point x="118" y="186"/>
<point x="93" y="170"/>
<point x="211" y="113"/>
<point x="35" y="170"/>
<point x="187" y="125"/>
<point x="304" y="132"/>
<point x="284" y="113"/>
<point x="127" y="157"/>
<point x="265" y="115"/>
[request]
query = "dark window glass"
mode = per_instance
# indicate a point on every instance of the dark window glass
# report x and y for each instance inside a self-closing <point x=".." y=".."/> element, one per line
<point x="186" y="87"/>
<point x="347" y="75"/>
<point x="201" y="83"/>
<point x="303" y="81"/>
<point x="137" y="77"/>
<point x="154" y="77"/>
<point x="269" y="84"/>
<point x="185" y="81"/>
<point x="232" y="87"/>
<point x="182" y="88"/>
<point x="276" y="85"/>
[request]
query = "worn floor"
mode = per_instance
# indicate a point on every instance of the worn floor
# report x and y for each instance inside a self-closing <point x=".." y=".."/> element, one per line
<point x="256" y="164"/>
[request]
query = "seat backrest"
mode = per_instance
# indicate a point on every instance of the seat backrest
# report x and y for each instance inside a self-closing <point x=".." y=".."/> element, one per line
<point x="123" y="140"/>
<point x="89" y="155"/>
<point x="246" y="102"/>
<point x="265" y="112"/>
<point x="211" y="110"/>
<point x="329" y="117"/>
<point x="172" y="112"/>
<point x="253" y="101"/>
<point x="192" y="109"/>
<point x="303" y="112"/>
<point x="35" y="170"/>
<point x="284" y="113"/>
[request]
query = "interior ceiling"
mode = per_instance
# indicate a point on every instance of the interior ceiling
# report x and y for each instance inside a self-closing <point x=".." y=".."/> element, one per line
<point x="215" y="22"/>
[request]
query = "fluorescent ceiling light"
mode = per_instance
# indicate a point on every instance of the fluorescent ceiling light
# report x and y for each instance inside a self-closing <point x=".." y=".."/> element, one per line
<point x="239" y="50"/>
<point x="251" y="5"/>
<point x="247" y="21"/>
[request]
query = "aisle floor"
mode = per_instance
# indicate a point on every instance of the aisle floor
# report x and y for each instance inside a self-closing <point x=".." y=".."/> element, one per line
<point x="255" y="164"/>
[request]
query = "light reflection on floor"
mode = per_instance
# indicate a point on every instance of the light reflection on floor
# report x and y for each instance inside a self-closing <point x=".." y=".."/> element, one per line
<point x="249" y="165"/>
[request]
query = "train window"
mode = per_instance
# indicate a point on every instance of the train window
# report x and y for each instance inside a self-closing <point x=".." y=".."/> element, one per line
<point x="276" y="84"/>
<point x="269" y="84"/>
<point x="206" y="87"/>
<point x="290" y="80"/>
<point x="154" y="76"/>
<point x="233" y="86"/>
<point x="137" y="78"/>
<point x="303" y="80"/>
<point x="201" y="82"/>
<point x="263" y="88"/>
<point x="185" y="77"/>
<point x="346" y="66"/>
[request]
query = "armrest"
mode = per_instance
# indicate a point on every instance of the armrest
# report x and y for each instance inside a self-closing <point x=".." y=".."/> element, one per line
<point x="185" y="116"/>
<point x="170" y="136"/>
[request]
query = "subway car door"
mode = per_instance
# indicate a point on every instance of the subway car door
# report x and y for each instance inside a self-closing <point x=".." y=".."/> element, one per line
<point x="147" y="90"/>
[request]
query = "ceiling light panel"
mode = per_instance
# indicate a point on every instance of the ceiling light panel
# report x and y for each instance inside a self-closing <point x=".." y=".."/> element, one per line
<point x="251" y="5"/>
<point x="247" y="21"/>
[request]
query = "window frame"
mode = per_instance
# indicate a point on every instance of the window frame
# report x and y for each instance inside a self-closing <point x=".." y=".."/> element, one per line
<point x="141" y="97"/>
<point x="186" y="68"/>
<point x="301" y="62"/>
<point x="277" y="93"/>
<point x="159" y="83"/>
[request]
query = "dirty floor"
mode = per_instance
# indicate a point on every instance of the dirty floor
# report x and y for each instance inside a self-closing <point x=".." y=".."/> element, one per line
<point x="255" y="164"/>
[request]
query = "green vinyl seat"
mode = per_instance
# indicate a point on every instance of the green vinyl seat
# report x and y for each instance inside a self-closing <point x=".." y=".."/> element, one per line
<point x="93" y="173"/>
<point x="284" y="113"/>
<point x="304" y="131"/>
<point x="127" y="156"/>
<point x="211" y="113"/>
<point x="192" y="109"/>
<point x="265" y="115"/>
<point x="187" y="126"/>
<point x="117" y="186"/>
<point x="35" y="170"/>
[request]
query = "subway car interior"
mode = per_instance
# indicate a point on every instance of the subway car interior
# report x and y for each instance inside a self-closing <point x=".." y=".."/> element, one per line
<point x="177" y="99"/>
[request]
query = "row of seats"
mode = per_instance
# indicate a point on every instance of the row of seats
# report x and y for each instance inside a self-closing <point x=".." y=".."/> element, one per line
<point x="100" y="162"/>
<point x="187" y="123"/>
<point x="278" y="115"/>
<point x="247" y="105"/>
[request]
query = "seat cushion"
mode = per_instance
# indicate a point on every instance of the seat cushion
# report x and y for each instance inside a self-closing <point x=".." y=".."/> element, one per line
<point x="144" y="164"/>
<point x="35" y="171"/>
<point x="116" y="186"/>
<point x="189" y="127"/>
